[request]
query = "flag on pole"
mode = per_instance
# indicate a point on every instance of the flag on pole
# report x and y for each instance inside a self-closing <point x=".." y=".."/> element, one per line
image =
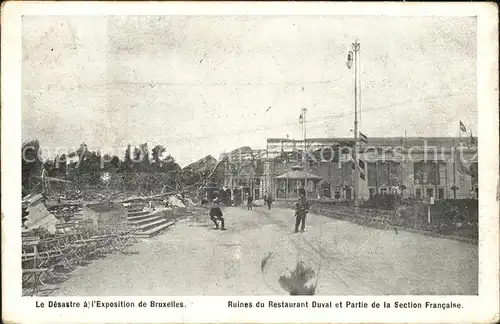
<point x="361" y="167"/>
<point x="363" y="138"/>
<point x="349" y="59"/>
<point x="462" y="127"/>
<point x="301" y="119"/>
<point x="472" y="139"/>
<point x="361" y="164"/>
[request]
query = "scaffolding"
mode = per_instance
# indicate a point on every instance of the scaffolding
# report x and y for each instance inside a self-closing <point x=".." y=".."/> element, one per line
<point x="284" y="153"/>
<point x="243" y="171"/>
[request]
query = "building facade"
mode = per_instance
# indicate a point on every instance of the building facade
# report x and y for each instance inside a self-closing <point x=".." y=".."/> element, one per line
<point x="418" y="168"/>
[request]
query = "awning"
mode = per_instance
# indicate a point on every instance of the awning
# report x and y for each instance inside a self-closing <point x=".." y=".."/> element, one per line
<point x="298" y="175"/>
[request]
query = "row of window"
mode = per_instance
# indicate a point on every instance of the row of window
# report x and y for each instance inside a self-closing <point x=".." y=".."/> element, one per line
<point x="429" y="192"/>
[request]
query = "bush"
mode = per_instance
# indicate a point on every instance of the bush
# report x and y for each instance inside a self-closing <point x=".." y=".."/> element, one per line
<point x="387" y="202"/>
<point x="456" y="211"/>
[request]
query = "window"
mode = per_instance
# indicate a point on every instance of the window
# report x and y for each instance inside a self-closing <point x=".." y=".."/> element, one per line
<point x="383" y="191"/>
<point x="394" y="173"/>
<point x="418" y="172"/>
<point x="442" y="173"/>
<point x="372" y="174"/>
<point x="474" y="173"/>
<point x="430" y="192"/>
<point x="441" y="193"/>
<point x="431" y="175"/>
<point x="418" y="194"/>
<point x="383" y="173"/>
<point x="372" y="192"/>
<point x="326" y="192"/>
<point x="348" y="193"/>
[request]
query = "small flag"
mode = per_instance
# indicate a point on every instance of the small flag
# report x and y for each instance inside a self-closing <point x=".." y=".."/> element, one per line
<point x="462" y="127"/>
<point x="361" y="164"/>
<point x="349" y="60"/>
<point x="363" y="138"/>
<point x="472" y="139"/>
<point x="300" y="119"/>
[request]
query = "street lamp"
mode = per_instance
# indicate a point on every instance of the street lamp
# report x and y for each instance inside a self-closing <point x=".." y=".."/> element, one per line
<point x="353" y="59"/>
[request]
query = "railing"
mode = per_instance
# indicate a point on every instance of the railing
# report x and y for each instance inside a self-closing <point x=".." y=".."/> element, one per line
<point x="408" y="218"/>
<point x="49" y="256"/>
<point x="403" y="218"/>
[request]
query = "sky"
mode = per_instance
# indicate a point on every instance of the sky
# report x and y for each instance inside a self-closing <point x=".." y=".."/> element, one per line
<point x="204" y="85"/>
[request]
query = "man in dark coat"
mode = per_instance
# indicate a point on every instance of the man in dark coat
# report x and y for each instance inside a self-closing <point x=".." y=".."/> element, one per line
<point x="249" y="202"/>
<point x="301" y="210"/>
<point x="216" y="215"/>
<point x="269" y="200"/>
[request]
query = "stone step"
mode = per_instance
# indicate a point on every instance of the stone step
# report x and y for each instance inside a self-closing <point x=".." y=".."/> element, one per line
<point x="155" y="230"/>
<point x="140" y="217"/>
<point x="134" y="209"/>
<point x="150" y="225"/>
<point x="144" y="214"/>
<point x="146" y="219"/>
<point x="138" y="213"/>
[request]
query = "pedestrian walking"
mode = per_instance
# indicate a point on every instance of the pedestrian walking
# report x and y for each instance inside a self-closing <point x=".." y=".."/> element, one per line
<point x="269" y="201"/>
<point x="301" y="210"/>
<point x="249" y="202"/>
<point x="217" y="216"/>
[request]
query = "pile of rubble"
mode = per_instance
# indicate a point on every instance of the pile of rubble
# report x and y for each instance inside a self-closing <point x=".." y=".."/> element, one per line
<point x="179" y="201"/>
<point x="65" y="211"/>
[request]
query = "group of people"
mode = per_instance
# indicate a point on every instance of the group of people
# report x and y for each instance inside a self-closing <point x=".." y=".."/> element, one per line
<point x="301" y="210"/>
<point x="268" y="200"/>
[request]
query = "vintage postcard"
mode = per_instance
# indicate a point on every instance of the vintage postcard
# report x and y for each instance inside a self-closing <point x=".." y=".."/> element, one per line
<point x="250" y="162"/>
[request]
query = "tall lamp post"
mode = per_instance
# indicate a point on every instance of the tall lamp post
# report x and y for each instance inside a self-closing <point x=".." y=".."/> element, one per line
<point x="353" y="58"/>
<point x="304" y="111"/>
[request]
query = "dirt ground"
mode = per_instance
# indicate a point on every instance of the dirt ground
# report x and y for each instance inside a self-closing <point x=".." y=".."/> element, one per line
<point x="192" y="258"/>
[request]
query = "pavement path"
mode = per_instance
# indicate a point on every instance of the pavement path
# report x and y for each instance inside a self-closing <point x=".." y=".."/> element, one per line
<point x="192" y="258"/>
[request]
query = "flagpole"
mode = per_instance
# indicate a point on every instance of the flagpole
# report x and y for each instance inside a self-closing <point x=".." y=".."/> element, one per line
<point x="356" y="48"/>
<point x="304" y="110"/>
<point x="455" y="167"/>
<point x="460" y="134"/>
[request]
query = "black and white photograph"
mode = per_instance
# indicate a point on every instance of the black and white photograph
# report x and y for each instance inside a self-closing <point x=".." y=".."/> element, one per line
<point x="251" y="155"/>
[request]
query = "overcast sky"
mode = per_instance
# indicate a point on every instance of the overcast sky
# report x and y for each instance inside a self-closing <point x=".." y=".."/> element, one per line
<point x="204" y="85"/>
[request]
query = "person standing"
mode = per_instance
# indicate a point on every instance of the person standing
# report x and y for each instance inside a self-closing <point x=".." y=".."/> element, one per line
<point x="301" y="210"/>
<point x="249" y="202"/>
<point x="269" y="200"/>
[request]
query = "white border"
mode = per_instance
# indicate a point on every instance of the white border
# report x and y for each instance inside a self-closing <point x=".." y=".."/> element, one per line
<point x="482" y="308"/>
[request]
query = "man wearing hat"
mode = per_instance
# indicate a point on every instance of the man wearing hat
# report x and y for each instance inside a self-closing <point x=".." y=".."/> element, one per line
<point x="216" y="215"/>
<point x="301" y="210"/>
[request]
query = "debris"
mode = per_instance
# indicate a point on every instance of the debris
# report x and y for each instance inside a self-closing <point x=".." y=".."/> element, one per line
<point x="40" y="217"/>
<point x="176" y="202"/>
<point x="188" y="202"/>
